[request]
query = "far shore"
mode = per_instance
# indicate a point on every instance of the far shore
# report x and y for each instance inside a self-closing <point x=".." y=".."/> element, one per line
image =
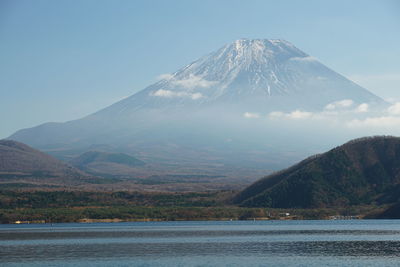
<point x="118" y="220"/>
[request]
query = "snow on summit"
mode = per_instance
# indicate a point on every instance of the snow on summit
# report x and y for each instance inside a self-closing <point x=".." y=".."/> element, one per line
<point x="254" y="71"/>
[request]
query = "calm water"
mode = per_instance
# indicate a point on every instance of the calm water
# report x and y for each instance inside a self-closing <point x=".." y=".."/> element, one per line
<point x="242" y="243"/>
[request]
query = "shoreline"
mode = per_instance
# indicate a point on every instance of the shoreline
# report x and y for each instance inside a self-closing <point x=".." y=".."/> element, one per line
<point x="118" y="220"/>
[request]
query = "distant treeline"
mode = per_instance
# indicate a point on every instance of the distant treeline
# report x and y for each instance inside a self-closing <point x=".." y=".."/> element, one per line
<point x="77" y="206"/>
<point x="61" y="199"/>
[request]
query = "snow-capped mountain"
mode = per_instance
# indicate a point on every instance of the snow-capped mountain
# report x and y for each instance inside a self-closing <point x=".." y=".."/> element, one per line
<point x="266" y="74"/>
<point x="201" y="106"/>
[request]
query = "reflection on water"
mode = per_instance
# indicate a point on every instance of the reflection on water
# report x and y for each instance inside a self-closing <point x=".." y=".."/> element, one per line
<point x="308" y="243"/>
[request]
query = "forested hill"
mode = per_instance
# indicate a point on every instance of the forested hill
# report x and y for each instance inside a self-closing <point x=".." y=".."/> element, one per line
<point x="362" y="171"/>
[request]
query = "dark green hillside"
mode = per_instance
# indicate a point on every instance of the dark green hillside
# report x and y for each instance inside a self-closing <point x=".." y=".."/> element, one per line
<point x="362" y="171"/>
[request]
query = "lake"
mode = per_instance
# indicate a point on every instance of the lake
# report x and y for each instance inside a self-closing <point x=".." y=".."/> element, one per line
<point x="213" y="243"/>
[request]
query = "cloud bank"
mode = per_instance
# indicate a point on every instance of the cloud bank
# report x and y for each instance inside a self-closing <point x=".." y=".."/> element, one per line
<point x="345" y="103"/>
<point x="375" y="122"/>
<point x="190" y="82"/>
<point x="176" y="94"/>
<point x="307" y="59"/>
<point x="251" y="115"/>
<point x="345" y="114"/>
<point x="294" y="115"/>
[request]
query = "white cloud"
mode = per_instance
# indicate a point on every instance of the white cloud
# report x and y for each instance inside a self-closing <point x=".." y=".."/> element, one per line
<point x="191" y="82"/>
<point x="295" y="115"/>
<point x="345" y="103"/>
<point x="276" y="115"/>
<point x="165" y="76"/>
<point x="362" y="108"/>
<point x="394" y="109"/>
<point x="392" y="100"/>
<point x="164" y="93"/>
<point x="359" y="118"/>
<point x="309" y="59"/>
<point x="298" y="114"/>
<point x="196" y="96"/>
<point x="176" y="94"/>
<point x="251" y="115"/>
<point x="388" y="119"/>
<point x="382" y="121"/>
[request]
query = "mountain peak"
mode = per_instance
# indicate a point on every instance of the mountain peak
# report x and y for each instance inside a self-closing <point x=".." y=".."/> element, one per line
<point x="251" y="73"/>
<point x="260" y="51"/>
<point x="264" y="45"/>
<point x="254" y="66"/>
<point x="260" y="42"/>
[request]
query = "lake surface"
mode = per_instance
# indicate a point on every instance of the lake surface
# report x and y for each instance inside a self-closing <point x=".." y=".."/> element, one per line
<point x="229" y="243"/>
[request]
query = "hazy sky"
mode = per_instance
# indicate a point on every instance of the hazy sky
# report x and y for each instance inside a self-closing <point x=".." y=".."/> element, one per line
<point x="61" y="60"/>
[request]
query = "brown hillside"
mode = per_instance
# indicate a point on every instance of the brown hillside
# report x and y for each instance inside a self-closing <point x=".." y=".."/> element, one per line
<point x="18" y="160"/>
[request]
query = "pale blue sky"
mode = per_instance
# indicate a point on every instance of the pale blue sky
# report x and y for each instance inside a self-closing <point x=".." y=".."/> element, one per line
<point x="61" y="60"/>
